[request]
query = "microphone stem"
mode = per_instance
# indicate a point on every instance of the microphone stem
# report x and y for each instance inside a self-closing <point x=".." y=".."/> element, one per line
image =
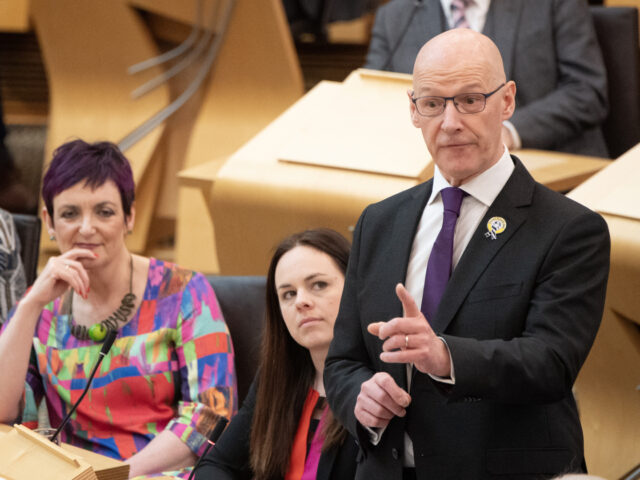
<point x="75" y="405"/>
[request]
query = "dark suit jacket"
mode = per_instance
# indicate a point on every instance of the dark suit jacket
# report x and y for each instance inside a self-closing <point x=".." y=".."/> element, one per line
<point x="519" y="315"/>
<point x="549" y="49"/>
<point x="229" y="458"/>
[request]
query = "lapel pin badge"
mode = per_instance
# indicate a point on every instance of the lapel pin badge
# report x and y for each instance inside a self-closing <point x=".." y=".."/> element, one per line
<point x="495" y="226"/>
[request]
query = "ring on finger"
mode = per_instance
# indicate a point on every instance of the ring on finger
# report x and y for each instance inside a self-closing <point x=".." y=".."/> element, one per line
<point x="67" y="266"/>
<point x="406" y="342"/>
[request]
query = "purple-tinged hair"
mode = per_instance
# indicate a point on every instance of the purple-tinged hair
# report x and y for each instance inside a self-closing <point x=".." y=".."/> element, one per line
<point x="95" y="163"/>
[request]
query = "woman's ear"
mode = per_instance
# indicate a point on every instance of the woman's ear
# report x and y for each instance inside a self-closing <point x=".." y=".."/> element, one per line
<point x="48" y="221"/>
<point x="130" y="220"/>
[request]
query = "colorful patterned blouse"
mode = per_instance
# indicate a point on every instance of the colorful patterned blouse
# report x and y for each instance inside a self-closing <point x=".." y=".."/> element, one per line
<point x="171" y="367"/>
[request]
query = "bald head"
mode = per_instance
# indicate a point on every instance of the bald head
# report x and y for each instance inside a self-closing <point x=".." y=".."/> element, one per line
<point x="461" y="71"/>
<point x="459" y="50"/>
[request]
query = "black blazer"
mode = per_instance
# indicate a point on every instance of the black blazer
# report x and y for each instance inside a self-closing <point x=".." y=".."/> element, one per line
<point x="549" y="49"/>
<point x="229" y="458"/>
<point x="519" y="315"/>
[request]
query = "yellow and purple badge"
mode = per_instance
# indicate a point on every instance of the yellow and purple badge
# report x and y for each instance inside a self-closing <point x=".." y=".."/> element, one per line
<point x="495" y="226"/>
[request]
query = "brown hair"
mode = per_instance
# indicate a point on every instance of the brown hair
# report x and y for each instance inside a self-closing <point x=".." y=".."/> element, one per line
<point x="286" y="371"/>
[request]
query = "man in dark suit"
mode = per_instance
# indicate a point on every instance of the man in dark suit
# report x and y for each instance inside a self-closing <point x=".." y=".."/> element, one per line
<point x="479" y="385"/>
<point x="549" y="49"/>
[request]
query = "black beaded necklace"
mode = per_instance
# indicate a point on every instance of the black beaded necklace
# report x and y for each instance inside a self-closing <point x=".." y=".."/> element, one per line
<point x="98" y="331"/>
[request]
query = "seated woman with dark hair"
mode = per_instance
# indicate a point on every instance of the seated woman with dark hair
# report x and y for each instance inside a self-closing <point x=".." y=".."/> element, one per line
<point x="285" y="428"/>
<point x="169" y="373"/>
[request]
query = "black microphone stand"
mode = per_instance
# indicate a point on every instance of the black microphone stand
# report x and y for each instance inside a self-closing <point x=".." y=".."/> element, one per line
<point x="106" y="346"/>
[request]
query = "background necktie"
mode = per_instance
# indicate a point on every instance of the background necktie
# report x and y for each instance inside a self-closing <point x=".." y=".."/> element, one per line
<point x="458" y="18"/>
<point x="439" y="265"/>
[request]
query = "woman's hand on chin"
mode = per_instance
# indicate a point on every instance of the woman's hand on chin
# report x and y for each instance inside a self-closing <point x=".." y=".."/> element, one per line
<point x="59" y="274"/>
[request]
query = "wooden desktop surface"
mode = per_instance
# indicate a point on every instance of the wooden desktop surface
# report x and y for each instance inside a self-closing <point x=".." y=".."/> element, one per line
<point x="338" y="149"/>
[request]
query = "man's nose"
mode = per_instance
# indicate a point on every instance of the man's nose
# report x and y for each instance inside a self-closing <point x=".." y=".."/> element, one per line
<point x="450" y="117"/>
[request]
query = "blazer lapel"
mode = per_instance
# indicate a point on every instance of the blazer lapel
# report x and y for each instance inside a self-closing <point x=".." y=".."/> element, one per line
<point x="405" y="225"/>
<point x="502" y="23"/>
<point x="430" y="19"/>
<point x="511" y="205"/>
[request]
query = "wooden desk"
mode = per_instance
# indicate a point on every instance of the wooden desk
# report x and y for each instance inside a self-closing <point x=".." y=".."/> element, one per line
<point x="255" y="198"/>
<point x="608" y="387"/>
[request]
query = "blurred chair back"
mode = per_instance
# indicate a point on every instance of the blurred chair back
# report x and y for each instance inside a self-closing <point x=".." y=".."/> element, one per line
<point x="28" y="229"/>
<point x="617" y="32"/>
<point x="242" y="300"/>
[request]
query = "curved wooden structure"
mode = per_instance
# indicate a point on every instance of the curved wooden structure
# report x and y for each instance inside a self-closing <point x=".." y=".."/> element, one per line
<point x="608" y="387"/>
<point x="255" y="78"/>
<point x="88" y="46"/>
<point x="14" y="16"/>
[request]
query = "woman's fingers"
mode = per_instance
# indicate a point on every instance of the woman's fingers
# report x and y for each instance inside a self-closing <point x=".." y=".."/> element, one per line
<point x="73" y="273"/>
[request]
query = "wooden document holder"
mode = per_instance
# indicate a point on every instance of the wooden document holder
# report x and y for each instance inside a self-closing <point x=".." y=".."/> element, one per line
<point x="25" y="455"/>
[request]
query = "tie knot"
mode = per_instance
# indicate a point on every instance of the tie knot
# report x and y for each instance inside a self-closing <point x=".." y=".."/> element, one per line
<point x="452" y="199"/>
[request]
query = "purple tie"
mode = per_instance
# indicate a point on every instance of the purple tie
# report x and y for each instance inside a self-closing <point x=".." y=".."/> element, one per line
<point x="439" y="265"/>
<point x="458" y="18"/>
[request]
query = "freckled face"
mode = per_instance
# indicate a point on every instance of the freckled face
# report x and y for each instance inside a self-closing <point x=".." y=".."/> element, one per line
<point x="91" y="219"/>
<point x="309" y="286"/>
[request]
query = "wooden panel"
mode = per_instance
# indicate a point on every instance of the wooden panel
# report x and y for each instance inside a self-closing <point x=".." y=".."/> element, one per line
<point x="14" y="15"/>
<point x="622" y="3"/>
<point x="25" y="93"/>
<point x="608" y="388"/>
<point x="254" y="79"/>
<point x="90" y="88"/>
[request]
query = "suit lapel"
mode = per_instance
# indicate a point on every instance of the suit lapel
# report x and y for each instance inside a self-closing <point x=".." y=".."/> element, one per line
<point x="405" y="225"/>
<point x="511" y="205"/>
<point x="431" y="20"/>
<point x="502" y="23"/>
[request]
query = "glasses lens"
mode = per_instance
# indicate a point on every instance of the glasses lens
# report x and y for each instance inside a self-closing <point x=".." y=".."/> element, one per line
<point x="470" y="102"/>
<point x="430" y="106"/>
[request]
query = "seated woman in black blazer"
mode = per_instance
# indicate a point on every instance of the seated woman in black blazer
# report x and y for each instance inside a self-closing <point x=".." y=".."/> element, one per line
<point x="285" y="428"/>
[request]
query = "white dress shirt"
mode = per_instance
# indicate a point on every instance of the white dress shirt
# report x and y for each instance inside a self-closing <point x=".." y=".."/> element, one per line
<point x="482" y="190"/>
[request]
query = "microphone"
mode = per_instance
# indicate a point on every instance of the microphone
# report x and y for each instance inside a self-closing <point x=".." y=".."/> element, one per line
<point x="106" y="346"/>
<point x="213" y="438"/>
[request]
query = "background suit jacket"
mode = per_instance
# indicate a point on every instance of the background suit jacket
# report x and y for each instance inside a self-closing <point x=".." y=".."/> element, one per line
<point x="549" y="49"/>
<point x="519" y="315"/>
<point x="229" y="458"/>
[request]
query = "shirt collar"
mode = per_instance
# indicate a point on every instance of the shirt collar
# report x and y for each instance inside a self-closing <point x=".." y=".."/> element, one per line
<point x="484" y="187"/>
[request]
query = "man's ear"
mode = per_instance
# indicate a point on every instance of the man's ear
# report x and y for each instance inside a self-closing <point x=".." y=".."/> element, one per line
<point x="415" y="116"/>
<point x="509" y="100"/>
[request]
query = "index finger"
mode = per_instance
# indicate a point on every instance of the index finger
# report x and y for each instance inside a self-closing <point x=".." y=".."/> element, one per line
<point x="374" y="328"/>
<point x="408" y="303"/>
<point x="77" y="253"/>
